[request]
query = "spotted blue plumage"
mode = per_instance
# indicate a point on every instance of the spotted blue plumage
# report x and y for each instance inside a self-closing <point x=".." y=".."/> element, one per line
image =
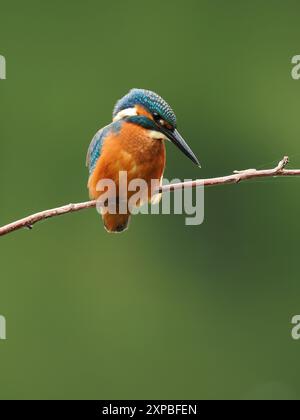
<point x="95" y="148"/>
<point x="149" y="100"/>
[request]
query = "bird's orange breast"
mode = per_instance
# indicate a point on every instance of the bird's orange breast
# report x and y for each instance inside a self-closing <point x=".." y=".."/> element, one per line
<point x="131" y="150"/>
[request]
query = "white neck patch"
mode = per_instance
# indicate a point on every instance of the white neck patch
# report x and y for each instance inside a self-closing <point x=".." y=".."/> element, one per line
<point x="129" y="112"/>
<point x="132" y="112"/>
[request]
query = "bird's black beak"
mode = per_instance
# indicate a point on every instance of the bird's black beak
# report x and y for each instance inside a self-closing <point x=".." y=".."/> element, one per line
<point x="177" y="139"/>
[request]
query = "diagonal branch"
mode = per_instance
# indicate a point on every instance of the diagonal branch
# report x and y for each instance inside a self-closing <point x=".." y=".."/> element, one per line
<point x="237" y="177"/>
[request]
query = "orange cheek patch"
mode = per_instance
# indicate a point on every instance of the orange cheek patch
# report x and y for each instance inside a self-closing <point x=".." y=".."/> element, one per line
<point x="142" y="111"/>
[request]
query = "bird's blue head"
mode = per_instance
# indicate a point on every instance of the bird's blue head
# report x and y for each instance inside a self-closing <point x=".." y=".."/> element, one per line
<point x="149" y="110"/>
<point x="150" y="101"/>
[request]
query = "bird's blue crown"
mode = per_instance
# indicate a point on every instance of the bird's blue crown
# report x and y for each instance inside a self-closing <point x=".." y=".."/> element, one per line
<point x="150" y="101"/>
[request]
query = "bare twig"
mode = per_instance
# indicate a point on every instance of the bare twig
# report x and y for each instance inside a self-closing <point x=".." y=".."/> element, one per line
<point x="237" y="177"/>
<point x="29" y="221"/>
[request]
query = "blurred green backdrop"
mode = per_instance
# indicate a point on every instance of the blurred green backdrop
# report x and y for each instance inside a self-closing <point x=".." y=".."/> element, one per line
<point x="165" y="310"/>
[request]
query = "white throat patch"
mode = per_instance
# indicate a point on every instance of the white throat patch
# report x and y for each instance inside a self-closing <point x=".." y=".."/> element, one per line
<point x="157" y="135"/>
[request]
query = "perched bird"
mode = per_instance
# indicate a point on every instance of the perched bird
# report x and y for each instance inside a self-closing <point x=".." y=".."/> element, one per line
<point x="133" y="142"/>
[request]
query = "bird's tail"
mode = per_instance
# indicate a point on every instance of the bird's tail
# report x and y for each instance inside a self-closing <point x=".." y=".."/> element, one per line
<point x="116" y="223"/>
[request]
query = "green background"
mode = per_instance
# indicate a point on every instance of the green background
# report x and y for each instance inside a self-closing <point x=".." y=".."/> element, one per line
<point x="164" y="310"/>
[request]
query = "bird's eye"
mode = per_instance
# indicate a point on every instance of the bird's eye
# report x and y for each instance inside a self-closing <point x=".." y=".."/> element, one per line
<point x="159" y="119"/>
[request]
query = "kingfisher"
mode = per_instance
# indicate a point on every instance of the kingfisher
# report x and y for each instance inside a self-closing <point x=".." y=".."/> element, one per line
<point x="134" y="143"/>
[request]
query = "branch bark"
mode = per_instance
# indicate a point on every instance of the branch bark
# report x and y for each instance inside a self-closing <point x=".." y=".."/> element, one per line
<point x="238" y="176"/>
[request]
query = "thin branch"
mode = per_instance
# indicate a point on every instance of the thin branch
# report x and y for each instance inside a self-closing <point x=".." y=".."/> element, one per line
<point x="29" y="221"/>
<point x="237" y="177"/>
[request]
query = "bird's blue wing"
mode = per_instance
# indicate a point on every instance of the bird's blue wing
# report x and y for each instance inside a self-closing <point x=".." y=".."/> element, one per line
<point x="95" y="148"/>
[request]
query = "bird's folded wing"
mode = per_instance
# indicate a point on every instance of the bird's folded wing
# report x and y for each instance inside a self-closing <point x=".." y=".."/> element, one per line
<point x="95" y="148"/>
